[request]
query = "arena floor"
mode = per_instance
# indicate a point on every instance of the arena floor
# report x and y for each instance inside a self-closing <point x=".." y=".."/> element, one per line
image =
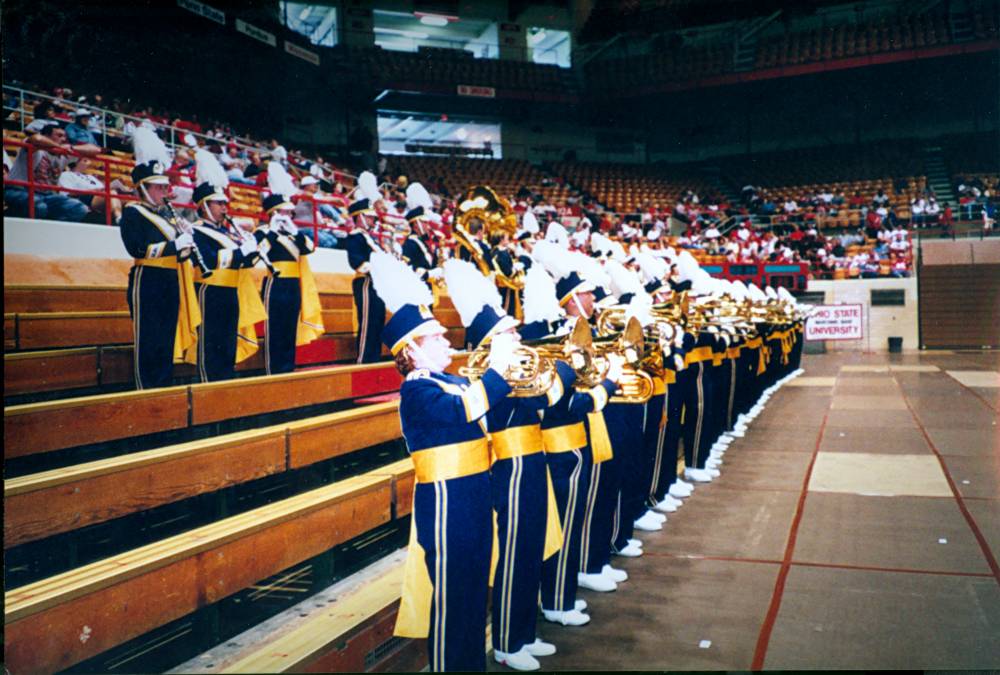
<point x="855" y="526"/>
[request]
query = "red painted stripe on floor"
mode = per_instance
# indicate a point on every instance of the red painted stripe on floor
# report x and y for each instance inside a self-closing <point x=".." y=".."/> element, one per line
<point x="760" y="652"/>
<point x="976" y="532"/>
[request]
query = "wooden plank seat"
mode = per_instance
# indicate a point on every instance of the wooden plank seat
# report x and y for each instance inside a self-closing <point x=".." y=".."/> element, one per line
<point x="64" y="619"/>
<point x="56" y="298"/>
<point x="335" y="637"/>
<point x="72" y="329"/>
<point x="42" y="427"/>
<point x="50" y="502"/>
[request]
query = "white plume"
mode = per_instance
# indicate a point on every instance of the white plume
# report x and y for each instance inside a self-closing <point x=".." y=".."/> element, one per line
<point x="416" y="195"/>
<point x="590" y="270"/>
<point x="540" y="303"/>
<point x="783" y="294"/>
<point x="653" y="268"/>
<point x="469" y="290"/>
<point x="687" y="266"/>
<point x="529" y="223"/>
<point x="623" y="280"/>
<point x="208" y="170"/>
<point x="557" y="234"/>
<point x="279" y="182"/>
<point x="149" y="147"/>
<point x="397" y="283"/>
<point x="600" y="244"/>
<point x="770" y="293"/>
<point x="640" y="307"/>
<point x="554" y="258"/>
<point x="368" y="187"/>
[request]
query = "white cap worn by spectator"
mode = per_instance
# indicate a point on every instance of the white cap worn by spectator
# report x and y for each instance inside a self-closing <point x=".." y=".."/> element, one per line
<point x="82" y="112"/>
<point x="308" y="180"/>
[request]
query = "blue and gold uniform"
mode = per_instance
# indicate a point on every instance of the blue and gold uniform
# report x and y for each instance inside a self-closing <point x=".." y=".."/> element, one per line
<point x="447" y="570"/>
<point x="161" y="296"/>
<point x="220" y="296"/>
<point x="294" y="315"/>
<point x="418" y="255"/>
<point x="368" y="306"/>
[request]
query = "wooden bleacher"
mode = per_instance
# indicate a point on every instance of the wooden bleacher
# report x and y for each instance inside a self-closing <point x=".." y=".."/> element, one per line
<point x="169" y="448"/>
<point x="59" y="337"/>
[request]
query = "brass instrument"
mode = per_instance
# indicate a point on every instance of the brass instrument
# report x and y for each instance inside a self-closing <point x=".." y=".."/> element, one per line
<point x="535" y="371"/>
<point x="635" y="385"/>
<point x="496" y="216"/>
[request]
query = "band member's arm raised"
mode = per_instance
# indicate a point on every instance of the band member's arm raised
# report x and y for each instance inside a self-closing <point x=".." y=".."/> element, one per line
<point x="445" y="404"/>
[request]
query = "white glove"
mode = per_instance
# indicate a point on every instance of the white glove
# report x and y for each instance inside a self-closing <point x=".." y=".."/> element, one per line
<point x="616" y="362"/>
<point x="184" y="241"/>
<point x="502" y="352"/>
<point x="436" y="273"/>
<point x="249" y="246"/>
<point x="518" y="266"/>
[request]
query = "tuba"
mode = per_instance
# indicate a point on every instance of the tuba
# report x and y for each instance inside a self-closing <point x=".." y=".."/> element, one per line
<point x="494" y="214"/>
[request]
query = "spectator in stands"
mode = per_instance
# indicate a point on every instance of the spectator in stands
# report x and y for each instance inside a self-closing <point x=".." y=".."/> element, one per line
<point x="75" y="177"/>
<point x="880" y="198"/>
<point x="947" y="220"/>
<point x="278" y="152"/>
<point x="917" y="207"/>
<point x="235" y="165"/>
<point x="328" y="215"/>
<point x="78" y="131"/>
<point x="44" y="115"/>
<point x="48" y="160"/>
<point x="255" y="170"/>
<point x="932" y="211"/>
<point x="898" y="266"/>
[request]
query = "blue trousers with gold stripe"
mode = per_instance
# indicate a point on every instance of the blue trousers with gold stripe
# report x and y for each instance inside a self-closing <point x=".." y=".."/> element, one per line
<point x="283" y="302"/>
<point x="520" y="500"/>
<point x="570" y="479"/>
<point x="666" y="460"/>
<point x="654" y="447"/>
<point x="624" y="421"/>
<point x="370" y="311"/>
<point x="220" y="313"/>
<point x="153" y="302"/>
<point x="697" y="389"/>
<point x="454" y="527"/>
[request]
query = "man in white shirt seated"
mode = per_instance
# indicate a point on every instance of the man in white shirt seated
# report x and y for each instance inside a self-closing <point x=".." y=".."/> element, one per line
<point x="75" y="177"/>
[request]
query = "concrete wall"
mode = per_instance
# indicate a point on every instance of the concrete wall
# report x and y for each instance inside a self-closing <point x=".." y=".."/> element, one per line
<point x="881" y="323"/>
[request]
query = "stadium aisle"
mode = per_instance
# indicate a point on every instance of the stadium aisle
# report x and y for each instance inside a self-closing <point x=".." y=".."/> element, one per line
<point x="855" y="526"/>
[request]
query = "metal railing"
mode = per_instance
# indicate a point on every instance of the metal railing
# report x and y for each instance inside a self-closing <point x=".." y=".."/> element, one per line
<point x="173" y="136"/>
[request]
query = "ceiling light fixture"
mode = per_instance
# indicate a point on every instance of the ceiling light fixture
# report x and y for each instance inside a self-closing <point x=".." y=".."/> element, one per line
<point x="416" y="35"/>
<point x="434" y="20"/>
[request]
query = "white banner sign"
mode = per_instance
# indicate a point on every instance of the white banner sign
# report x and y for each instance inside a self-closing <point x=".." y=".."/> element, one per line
<point x="836" y="322"/>
<point x="304" y="54"/>
<point x="482" y="92"/>
<point x="256" y="33"/>
<point x="204" y="10"/>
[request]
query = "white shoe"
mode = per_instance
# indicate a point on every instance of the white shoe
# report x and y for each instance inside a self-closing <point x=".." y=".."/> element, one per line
<point x="666" y="506"/>
<point x="739" y="433"/>
<point x="653" y="514"/>
<point x="519" y="660"/>
<point x="671" y="500"/>
<point x="647" y="524"/>
<point x="596" y="582"/>
<point x="683" y="482"/>
<point x="713" y="472"/>
<point x="615" y="575"/>
<point x="725" y="439"/>
<point x="697" y="475"/>
<point x="713" y="464"/>
<point x="630" y="551"/>
<point x="580" y="605"/>
<point x="573" y="617"/>
<point x="540" y="648"/>
<point x="715" y="455"/>
<point x="634" y="542"/>
<point x="678" y="491"/>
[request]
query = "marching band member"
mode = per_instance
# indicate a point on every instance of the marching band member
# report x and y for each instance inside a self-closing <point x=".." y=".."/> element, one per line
<point x="519" y="477"/>
<point x="442" y="417"/>
<point x="161" y="295"/>
<point x="416" y="250"/>
<point x="569" y="451"/>
<point x="228" y="298"/>
<point x="602" y="524"/>
<point x="291" y="300"/>
<point x="368" y="306"/>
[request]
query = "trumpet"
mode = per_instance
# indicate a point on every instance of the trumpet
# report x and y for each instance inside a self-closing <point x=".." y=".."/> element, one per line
<point x="260" y="252"/>
<point x="186" y="227"/>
